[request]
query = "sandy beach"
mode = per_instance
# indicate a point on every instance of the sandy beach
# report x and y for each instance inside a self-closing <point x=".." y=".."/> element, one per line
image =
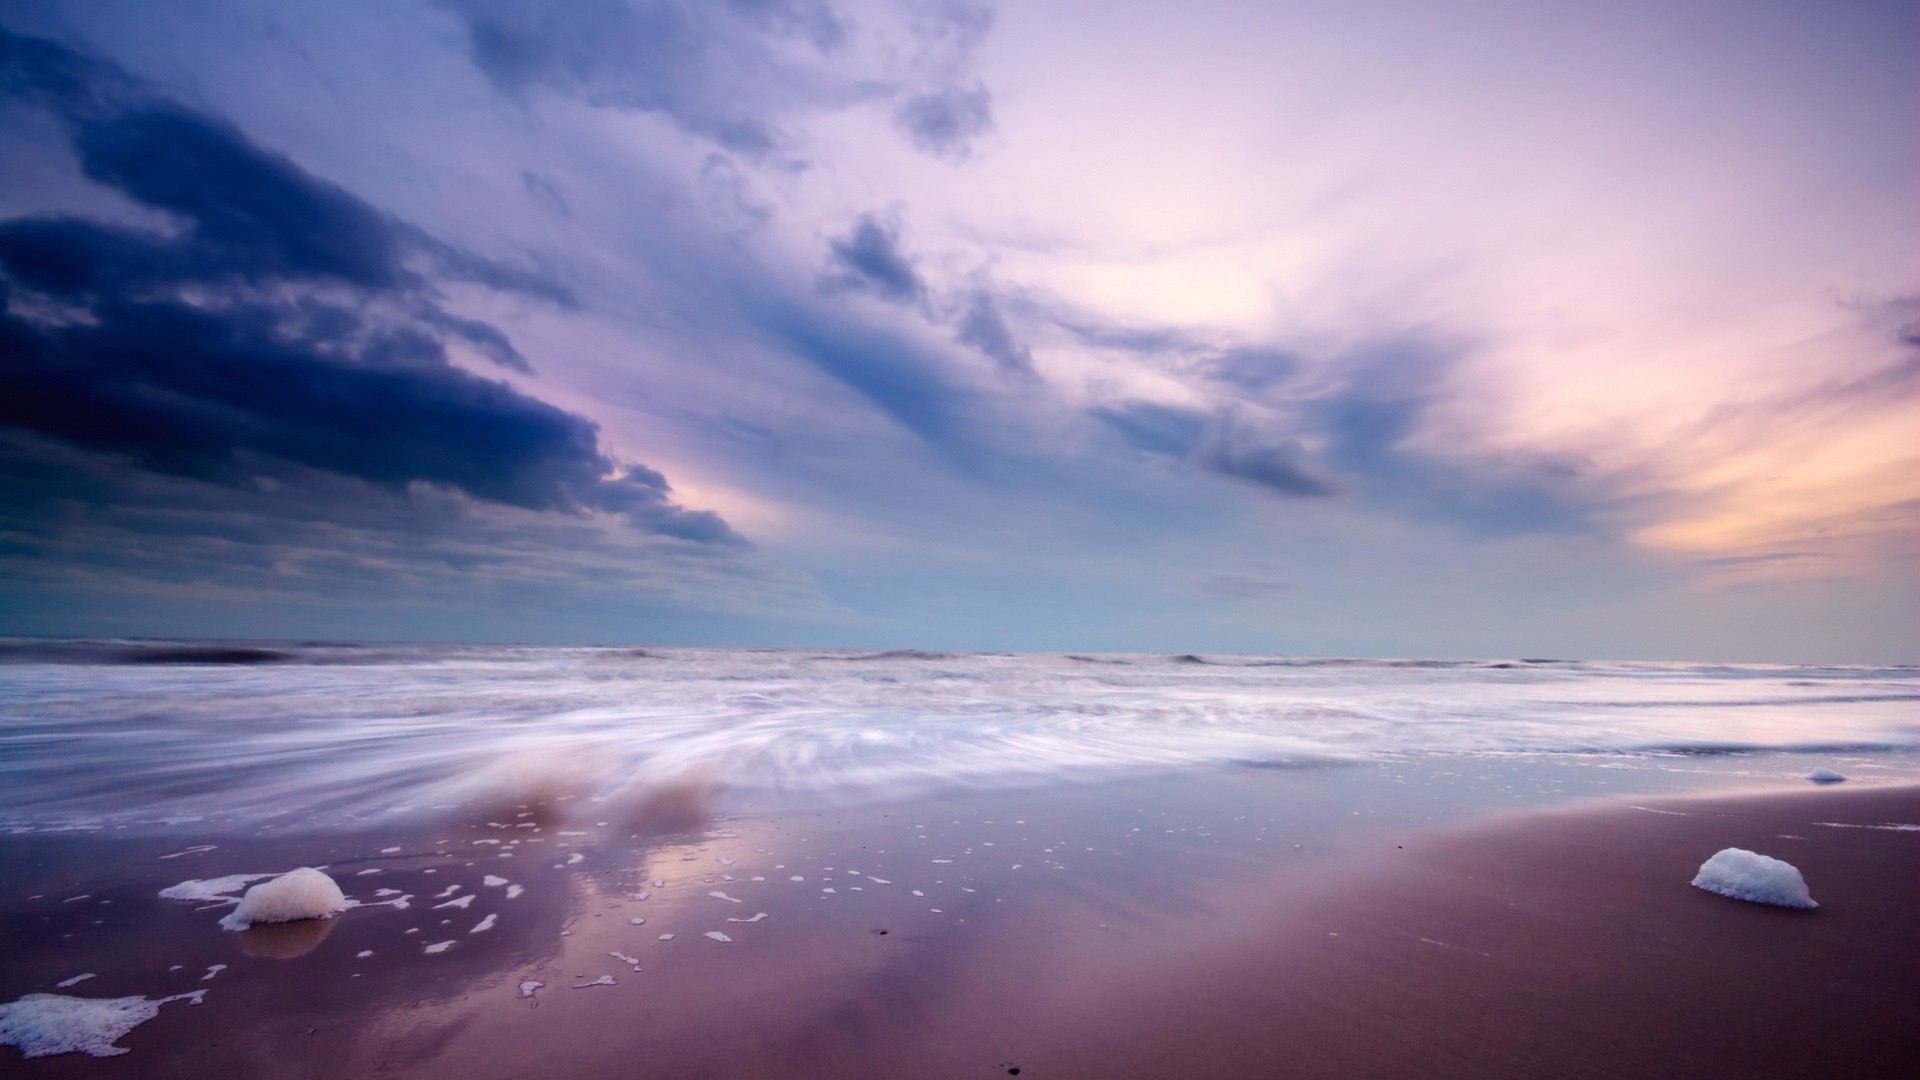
<point x="1216" y="925"/>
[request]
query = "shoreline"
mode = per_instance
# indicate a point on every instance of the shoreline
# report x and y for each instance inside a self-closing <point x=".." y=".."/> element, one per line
<point x="1185" y="933"/>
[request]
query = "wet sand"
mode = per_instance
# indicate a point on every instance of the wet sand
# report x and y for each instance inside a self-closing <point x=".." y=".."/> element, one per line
<point x="1220" y="926"/>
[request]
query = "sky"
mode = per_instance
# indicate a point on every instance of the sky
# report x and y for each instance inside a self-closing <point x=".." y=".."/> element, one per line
<point x="1365" y="328"/>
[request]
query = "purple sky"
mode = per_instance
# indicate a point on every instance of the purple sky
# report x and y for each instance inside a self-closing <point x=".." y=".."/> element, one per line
<point x="1327" y="328"/>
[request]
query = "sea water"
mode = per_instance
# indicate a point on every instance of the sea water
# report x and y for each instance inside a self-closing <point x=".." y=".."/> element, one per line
<point x="98" y="734"/>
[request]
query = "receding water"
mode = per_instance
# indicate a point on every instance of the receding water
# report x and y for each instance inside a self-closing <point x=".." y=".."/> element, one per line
<point x="103" y="731"/>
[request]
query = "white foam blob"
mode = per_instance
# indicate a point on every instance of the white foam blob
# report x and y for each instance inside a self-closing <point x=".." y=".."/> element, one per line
<point x="221" y="890"/>
<point x="604" y="980"/>
<point x="515" y="890"/>
<point x="637" y="921"/>
<point x="666" y="937"/>
<point x="305" y="893"/>
<point x="389" y="850"/>
<point x="917" y="892"/>
<point x="528" y="987"/>
<point x="75" y="981"/>
<point x="437" y="948"/>
<point x="574" y="858"/>
<point x="485" y="924"/>
<point x="757" y="917"/>
<point x="459" y="902"/>
<point x="446" y="892"/>
<point x="363" y="954"/>
<point x="718" y="936"/>
<point x="213" y="970"/>
<point x="717" y="895"/>
<point x="42" y="1025"/>
<point x="625" y="959"/>
<point x="1824" y="775"/>
<point x="1745" y="875"/>
<point x="492" y="881"/>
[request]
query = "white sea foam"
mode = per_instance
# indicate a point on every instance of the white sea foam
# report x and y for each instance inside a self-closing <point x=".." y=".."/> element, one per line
<point x="718" y="936"/>
<point x="527" y="987"/>
<point x="492" y="881"/>
<point x="1824" y="775"/>
<point x="604" y="980"/>
<point x="459" y="902"/>
<point x="212" y="890"/>
<point x="437" y="948"/>
<point x="75" y="981"/>
<point x="485" y="924"/>
<point x="513" y="724"/>
<point x="756" y="918"/>
<point x="42" y="1025"/>
<point x="305" y="893"/>
<point x="1745" y="875"/>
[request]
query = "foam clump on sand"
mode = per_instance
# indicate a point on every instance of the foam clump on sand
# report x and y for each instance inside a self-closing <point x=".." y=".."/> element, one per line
<point x="1824" y="775"/>
<point x="1745" y="875"/>
<point x="305" y="893"/>
<point x="42" y="1025"/>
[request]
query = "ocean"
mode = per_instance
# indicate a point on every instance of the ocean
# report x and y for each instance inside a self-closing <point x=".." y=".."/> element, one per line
<point x="122" y="734"/>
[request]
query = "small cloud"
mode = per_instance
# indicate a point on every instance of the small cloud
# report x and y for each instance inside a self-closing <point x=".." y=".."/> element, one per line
<point x="1154" y="428"/>
<point x="985" y="329"/>
<point x="1228" y="586"/>
<point x="1276" y="467"/>
<point x="1252" y="368"/>
<point x="945" y="122"/>
<point x="870" y="259"/>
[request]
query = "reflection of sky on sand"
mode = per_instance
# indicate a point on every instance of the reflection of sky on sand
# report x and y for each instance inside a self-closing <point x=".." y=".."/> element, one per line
<point x="922" y="917"/>
<point x="843" y="927"/>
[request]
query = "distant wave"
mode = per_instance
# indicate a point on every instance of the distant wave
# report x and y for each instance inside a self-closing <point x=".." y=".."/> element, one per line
<point x="911" y="654"/>
<point x="94" y="652"/>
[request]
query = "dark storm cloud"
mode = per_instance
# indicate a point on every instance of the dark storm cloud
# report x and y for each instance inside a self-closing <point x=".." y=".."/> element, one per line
<point x="285" y="320"/>
<point x="869" y="258"/>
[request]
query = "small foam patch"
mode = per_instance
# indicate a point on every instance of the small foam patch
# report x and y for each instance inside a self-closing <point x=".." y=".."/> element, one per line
<point x="1745" y="875"/>
<point x="1824" y="775"/>
<point x="212" y="890"/>
<point x="305" y="893"/>
<point x="42" y="1025"/>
